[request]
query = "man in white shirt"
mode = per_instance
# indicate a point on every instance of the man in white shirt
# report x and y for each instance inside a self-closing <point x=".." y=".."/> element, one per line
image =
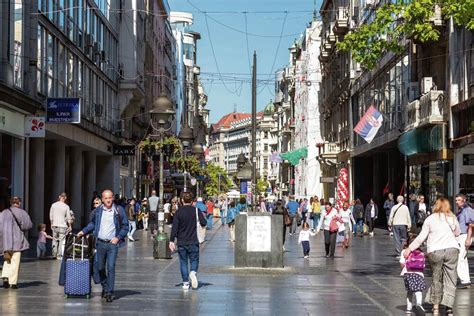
<point x="400" y="222"/>
<point x="60" y="217"/>
<point x="153" y="204"/>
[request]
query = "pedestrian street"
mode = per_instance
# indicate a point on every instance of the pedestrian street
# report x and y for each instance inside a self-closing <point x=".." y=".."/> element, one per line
<point x="362" y="280"/>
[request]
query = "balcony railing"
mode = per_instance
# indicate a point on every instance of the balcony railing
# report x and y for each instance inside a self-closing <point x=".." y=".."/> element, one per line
<point x="429" y="109"/>
<point x="342" y="21"/>
<point x="329" y="149"/>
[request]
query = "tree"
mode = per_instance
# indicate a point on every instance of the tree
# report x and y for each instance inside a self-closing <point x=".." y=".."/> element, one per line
<point x="217" y="180"/>
<point x="394" y="21"/>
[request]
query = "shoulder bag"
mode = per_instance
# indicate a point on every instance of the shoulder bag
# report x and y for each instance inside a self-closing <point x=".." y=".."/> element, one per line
<point x="199" y="229"/>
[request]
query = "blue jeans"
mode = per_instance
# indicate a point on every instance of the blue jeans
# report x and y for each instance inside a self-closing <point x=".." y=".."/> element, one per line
<point x="188" y="253"/>
<point x="210" y="217"/>
<point x="359" y="226"/>
<point x="106" y="257"/>
<point x="223" y="216"/>
<point x="132" y="227"/>
<point x="306" y="248"/>
<point x="41" y="249"/>
<point x="316" y="217"/>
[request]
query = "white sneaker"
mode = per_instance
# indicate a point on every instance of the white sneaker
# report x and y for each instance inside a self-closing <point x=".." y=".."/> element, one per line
<point x="194" y="280"/>
<point x="185" y="286"/>
<point x="131" y="238"/>
<point x="306" y="257"/>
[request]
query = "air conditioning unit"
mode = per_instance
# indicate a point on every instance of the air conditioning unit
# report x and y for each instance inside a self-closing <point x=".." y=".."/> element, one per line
<point x="96" y="49"/>
<point x="426" y="84"/>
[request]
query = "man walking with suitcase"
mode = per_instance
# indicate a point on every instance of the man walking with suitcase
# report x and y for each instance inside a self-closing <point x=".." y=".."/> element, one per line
<point x="110" y="227"/>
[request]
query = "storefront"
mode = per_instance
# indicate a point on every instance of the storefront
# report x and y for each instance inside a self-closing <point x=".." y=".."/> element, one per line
<point x="12" y="153"/>
<point x="430" y="163"/>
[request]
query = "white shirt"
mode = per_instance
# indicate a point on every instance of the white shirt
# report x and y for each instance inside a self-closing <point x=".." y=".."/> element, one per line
<point x="347" y="216"/>
<point x="59" y="214"/>
<point x="400" y="215"/>
<point x="107" y="225"/>
<point x="166" y="207"/>
<point x="153" y="202"/>
<point x="326" y="219"/>
<point x="304" y="235"/>
<point x="439" y="232"/>
<point x="372" y="211"/>
<point x="422" y="207"/>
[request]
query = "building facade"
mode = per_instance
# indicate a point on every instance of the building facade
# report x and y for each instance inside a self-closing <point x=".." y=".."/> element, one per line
<point x="92" y="50"/>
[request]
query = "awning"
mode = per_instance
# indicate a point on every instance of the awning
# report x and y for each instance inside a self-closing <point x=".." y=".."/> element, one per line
<point x="421" y="140"/>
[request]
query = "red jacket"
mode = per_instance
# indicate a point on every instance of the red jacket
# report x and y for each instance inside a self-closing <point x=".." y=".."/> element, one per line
<point x="210" y="207"/>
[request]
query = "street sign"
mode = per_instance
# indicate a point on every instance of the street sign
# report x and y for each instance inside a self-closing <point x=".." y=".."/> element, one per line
<point x="35" y="126"/>
<point x="120" y="150"/>
<point x="326" y="180"/>
<point x="63" y="110"/>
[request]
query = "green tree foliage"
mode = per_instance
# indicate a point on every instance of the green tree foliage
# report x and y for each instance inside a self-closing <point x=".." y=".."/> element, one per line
<point x="410" y="19"/>
<point x="212" y="172"/>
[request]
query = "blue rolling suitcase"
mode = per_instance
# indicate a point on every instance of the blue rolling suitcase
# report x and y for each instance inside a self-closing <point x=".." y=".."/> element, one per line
<point x="78" y="272"/>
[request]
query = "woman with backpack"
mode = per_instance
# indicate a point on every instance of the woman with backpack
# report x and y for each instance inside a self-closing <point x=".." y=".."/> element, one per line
<point x="440" y="230"/>
<point x="359" y="215"/>
<point x="330" y="222"/>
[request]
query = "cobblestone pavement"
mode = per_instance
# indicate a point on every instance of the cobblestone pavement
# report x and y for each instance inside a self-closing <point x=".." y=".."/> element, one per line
<point x="362" y="280"/>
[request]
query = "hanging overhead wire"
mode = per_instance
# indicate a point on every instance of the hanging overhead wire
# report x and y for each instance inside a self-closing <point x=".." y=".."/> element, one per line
<point x="215" y="58"/>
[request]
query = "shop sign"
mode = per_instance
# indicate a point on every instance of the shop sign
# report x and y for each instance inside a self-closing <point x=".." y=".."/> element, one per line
<point x="12" y="122"/>
<point x="120" y="150"/>
<point x="63" y="110"/>
<point x="35" y="126"/>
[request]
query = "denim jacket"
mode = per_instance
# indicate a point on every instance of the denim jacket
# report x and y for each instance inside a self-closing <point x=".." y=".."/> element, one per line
<point x="121" y="229"/>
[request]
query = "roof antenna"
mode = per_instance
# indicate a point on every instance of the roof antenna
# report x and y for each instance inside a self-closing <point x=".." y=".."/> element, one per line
<point x="235" y="107"/>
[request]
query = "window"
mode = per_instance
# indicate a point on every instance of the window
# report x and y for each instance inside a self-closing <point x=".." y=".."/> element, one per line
<point x="61" y="66"/>
<point x="17" y="43"/>
<point x="49" y="64"/>
<point x="40" y="59"/>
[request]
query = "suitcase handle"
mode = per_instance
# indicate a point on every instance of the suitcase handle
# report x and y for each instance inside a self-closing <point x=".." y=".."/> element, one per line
<point x="74" y="244"/>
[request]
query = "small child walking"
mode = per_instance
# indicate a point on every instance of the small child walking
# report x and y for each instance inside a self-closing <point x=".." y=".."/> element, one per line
<point x="41" y="245"/>
<point x="412" y="272"/>
<point x="303" y="239"/>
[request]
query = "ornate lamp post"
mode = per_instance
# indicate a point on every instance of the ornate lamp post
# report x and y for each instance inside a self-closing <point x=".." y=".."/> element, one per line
<point x="186" y="137"/>
<point x="160" y="115"/>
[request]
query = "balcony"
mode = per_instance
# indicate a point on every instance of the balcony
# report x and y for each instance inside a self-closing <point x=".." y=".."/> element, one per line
<point x="328" y="151"/>
<point x="429" y="109"/>
<point x="341" y="26"/>
<point x="292" y="122"/>
<point x="331" y="38"/>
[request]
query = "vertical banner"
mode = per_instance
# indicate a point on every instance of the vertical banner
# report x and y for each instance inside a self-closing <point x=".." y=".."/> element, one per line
<point x="243" y="187"/>
<point x="342" y="187"/>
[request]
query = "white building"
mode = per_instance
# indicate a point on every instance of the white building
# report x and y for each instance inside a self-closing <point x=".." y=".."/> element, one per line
<point x="232" y="135"/>
<point x="307" y="120"/>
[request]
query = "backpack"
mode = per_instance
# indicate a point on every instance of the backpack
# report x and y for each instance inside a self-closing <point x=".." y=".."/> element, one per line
<point x="416" y="261"/>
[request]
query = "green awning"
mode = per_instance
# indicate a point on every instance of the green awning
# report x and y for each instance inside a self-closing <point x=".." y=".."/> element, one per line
<point x="421" y="140"/>
<point x="294" y="156"/>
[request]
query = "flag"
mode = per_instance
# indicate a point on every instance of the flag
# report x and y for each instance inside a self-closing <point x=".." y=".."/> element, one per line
<point x="386" y="189"/>
<point x="369" y="124"/>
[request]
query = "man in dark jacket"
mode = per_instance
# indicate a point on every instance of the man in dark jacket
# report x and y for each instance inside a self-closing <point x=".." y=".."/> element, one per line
<point x="185" y="231"/>
<point x="371" y="214"/>
<point x="110" y="227"/>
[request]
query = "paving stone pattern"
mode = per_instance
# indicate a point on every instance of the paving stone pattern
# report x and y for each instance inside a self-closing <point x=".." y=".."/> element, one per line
<point x="362" y="280"/>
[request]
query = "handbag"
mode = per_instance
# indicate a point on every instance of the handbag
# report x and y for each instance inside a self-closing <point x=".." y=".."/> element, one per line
<point x="334" y="224"/>
<point x="199" y="229"/>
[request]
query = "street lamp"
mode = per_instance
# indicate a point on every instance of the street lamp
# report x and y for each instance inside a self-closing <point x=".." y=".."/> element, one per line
<point x="160" y="115"/>
<point x="186" y="137"/>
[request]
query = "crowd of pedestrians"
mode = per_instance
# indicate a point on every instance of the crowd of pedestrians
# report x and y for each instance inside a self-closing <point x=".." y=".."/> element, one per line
<point x="436" y="233"/>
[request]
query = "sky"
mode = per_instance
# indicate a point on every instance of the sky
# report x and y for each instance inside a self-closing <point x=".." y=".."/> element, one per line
<point x="223" y="28"/>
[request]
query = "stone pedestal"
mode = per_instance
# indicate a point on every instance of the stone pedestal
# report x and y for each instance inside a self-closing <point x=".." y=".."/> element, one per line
<point x="258" y="241"/>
